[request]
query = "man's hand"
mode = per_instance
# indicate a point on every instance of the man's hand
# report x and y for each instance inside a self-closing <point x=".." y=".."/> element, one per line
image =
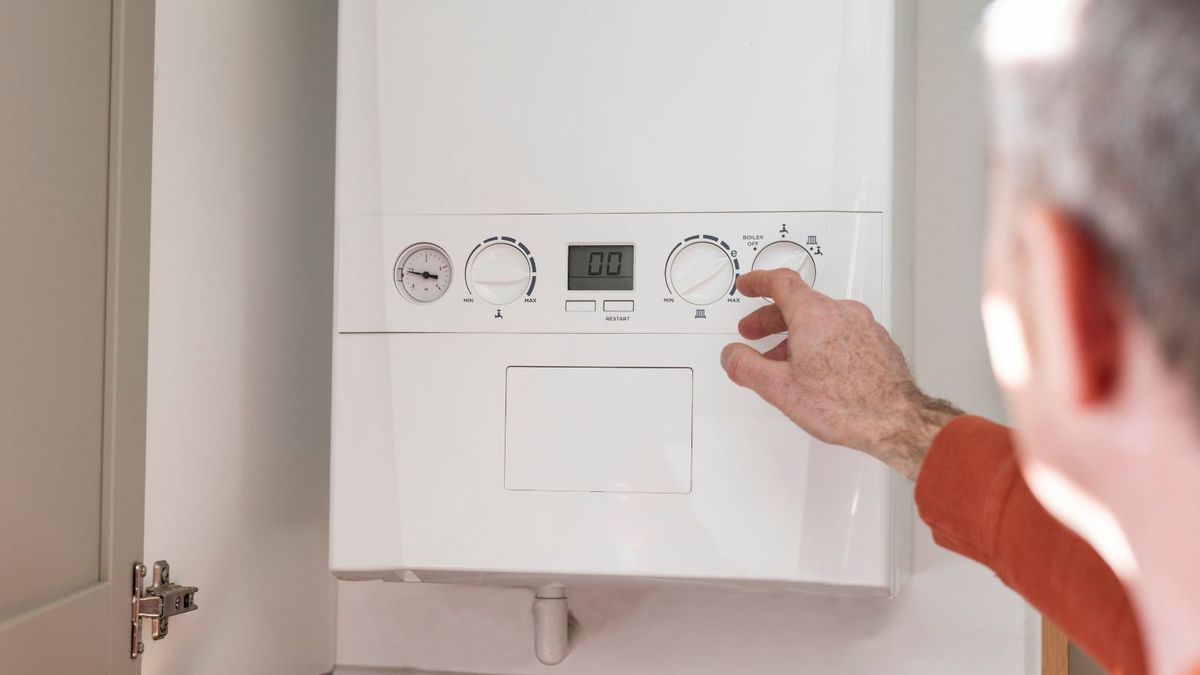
<point x="838" y="374"/>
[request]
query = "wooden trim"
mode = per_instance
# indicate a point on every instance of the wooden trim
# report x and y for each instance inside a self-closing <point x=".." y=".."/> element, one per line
<point x="1056" y="650"/>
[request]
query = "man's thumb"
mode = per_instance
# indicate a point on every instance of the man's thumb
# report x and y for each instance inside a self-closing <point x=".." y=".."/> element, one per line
<point x="747" y="368"/>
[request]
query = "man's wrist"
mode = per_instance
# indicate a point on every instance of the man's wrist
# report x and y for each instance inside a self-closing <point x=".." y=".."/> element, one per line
<point x="905" y="449"/>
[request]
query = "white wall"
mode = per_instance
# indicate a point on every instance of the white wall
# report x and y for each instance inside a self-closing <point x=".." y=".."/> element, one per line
<point x="241" y="292"/>
<point x="954" y="617"/>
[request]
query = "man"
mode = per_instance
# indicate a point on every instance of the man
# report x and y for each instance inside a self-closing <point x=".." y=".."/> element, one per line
<point x="1092" y="308"/>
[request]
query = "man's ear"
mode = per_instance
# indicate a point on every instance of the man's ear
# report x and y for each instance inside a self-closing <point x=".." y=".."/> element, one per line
<point x="1092" y="304"/>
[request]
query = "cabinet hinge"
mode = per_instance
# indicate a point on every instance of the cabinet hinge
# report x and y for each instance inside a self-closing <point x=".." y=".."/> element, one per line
<point x="157" y="602"/>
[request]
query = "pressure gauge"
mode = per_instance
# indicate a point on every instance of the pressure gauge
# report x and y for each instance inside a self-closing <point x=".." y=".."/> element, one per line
<point x="423" y="273"/>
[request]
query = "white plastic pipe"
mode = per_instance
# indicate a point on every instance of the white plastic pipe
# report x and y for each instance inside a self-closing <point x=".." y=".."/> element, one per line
<point x="551" y="623"/>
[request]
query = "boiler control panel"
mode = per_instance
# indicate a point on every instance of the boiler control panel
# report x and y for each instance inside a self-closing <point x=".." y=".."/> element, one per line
<point x="590" y="273"/>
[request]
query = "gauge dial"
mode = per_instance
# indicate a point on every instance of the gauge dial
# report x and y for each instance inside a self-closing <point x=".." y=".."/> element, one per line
<point x="423" y="273"/>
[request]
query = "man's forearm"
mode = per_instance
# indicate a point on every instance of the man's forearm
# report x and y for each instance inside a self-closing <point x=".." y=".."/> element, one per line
<point x="904" y="449"/>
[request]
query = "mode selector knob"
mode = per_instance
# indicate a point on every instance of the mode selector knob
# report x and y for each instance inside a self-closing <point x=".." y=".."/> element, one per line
<point x="787" y="255"/>
<point x="500" y="273"/>
<point x="701" y="273"/>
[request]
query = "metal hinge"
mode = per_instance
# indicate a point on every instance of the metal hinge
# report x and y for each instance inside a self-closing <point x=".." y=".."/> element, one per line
<point x="158" y="603"/>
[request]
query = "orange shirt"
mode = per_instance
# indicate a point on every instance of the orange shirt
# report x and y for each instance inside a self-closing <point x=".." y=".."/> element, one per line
<point x="971" y="493"/>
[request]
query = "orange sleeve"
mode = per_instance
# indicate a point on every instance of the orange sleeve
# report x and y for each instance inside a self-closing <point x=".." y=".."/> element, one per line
<point x="971" y="493"/>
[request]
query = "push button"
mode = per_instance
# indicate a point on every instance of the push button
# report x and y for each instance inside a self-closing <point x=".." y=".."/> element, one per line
<point x="618" y="305"/>
<point x="581" y="305"/>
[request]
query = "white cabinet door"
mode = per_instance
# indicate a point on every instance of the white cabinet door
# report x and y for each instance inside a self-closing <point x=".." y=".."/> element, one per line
<point x="76" y="84"/>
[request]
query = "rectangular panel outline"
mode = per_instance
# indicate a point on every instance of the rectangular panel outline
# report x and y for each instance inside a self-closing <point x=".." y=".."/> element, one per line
<point x="619" y="306"/>
<point x="691" y="432"/>
<point x="353" y="318"/>
<point x="580" y="303"/>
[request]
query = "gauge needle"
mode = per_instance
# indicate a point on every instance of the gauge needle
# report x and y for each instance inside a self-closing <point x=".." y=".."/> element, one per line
<point x="423" y="275"/>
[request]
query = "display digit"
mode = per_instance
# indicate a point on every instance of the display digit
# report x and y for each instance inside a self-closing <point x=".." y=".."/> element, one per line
<point x="595" y="264"/>
<point x="611" y="256"/>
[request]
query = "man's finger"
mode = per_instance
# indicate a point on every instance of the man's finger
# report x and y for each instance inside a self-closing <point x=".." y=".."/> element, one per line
<point x="747" y="368"/>
<point x="762" y="322"/>
<point x="785" y="287"/>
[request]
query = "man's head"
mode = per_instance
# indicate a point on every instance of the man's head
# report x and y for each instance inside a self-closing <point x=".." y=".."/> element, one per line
<point x="1093" y="281"/>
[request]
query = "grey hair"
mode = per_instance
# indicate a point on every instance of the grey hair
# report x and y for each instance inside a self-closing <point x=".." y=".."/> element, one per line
<point x="1107" y="128"/>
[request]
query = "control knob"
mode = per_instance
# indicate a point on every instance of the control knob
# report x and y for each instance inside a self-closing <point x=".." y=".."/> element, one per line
<point x="500" y="273"/>
<point x="701" y="273"/>
<point x="787" y="255"/>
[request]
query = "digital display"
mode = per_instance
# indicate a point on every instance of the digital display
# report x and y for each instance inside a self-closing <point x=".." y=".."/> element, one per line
<point x="600" y="268"/>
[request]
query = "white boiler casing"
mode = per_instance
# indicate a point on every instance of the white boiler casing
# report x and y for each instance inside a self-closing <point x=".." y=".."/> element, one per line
<point x="541" y="210"/>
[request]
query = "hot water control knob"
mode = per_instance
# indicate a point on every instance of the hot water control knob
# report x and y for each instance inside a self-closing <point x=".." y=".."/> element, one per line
<point x="500" y="273"/>
<point x="701" y="273"/>
<point x="787" y="255"/>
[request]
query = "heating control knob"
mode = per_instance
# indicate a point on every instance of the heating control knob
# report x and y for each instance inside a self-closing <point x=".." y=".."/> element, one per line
<point x="701" y="273"/>
<point x="500" y="273"/>
<point x="787" y="255"/>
